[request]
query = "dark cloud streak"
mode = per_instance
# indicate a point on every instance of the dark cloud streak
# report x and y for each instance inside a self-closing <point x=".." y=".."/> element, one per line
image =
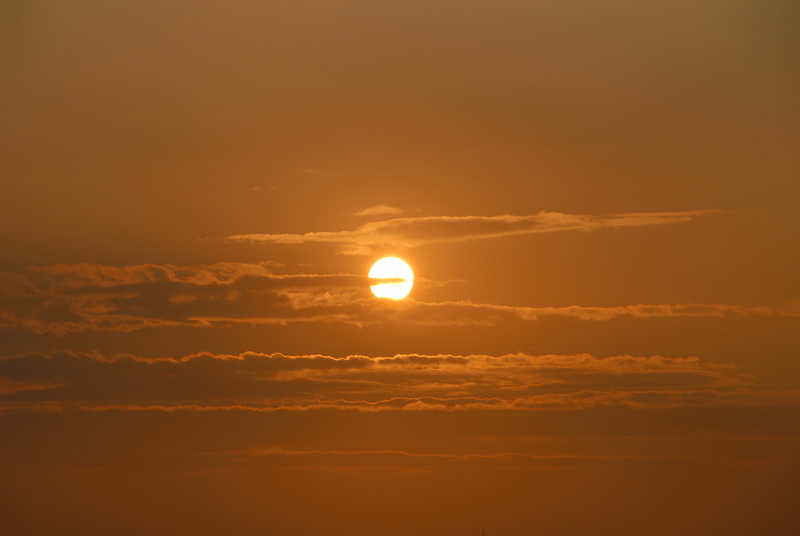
<point x="65" y="299"/>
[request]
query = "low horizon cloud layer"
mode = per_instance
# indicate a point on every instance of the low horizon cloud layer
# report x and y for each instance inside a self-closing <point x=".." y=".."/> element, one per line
<point x="289" y="412"/>
<point x="269" y="382"/>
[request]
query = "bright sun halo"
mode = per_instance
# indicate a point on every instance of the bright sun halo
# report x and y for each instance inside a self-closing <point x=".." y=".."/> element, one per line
<point x="398" y="272"/>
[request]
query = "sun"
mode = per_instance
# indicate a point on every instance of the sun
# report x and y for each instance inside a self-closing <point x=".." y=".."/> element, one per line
<point x="399" y="275"/>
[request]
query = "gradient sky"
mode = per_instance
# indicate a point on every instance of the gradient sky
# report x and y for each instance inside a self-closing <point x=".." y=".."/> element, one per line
<point x="599" y="201"/>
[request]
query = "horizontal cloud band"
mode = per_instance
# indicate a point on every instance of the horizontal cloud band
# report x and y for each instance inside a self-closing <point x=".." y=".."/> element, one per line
<point x="275" y="382"/>
<point x="64" y="299"/>
<point x="413" y="232"/>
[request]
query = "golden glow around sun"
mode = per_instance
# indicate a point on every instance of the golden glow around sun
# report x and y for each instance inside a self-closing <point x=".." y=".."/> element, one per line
<point x="399" y="274"/>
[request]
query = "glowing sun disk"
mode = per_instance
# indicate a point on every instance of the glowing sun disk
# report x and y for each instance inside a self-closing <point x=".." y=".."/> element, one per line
<point x="399" y="274"/>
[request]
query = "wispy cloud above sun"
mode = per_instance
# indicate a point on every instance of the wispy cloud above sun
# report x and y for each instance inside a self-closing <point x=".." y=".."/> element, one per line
<point x="415" y="232"/>
<point x="378" y="210"/>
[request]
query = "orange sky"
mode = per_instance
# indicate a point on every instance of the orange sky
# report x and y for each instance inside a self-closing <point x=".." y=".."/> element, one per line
<point x="599" y="201"/>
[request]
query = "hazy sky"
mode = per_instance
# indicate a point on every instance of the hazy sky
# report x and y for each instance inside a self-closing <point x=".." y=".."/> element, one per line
<point x="599" y="201"/>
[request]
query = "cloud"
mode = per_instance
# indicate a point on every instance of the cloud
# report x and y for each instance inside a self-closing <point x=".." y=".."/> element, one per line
<point x="64" y="299"/>
<point x="260" y="382"/>
<point x="490" y="313"/>
<point x="414" y="232"/>
<point x="397" y="459"/>
<point x="378" y="210"/>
